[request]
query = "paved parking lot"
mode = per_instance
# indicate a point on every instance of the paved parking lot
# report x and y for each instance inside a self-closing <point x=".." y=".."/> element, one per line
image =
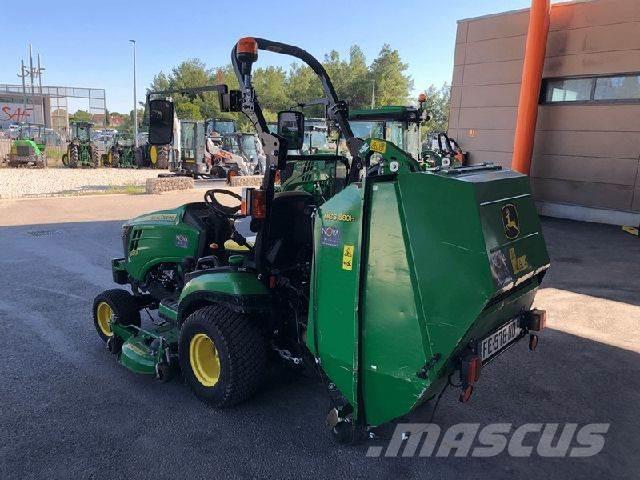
<point x="69" y="411"/>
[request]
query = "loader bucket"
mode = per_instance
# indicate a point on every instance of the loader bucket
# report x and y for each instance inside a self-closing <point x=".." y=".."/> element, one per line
<point x="411" y="270"/>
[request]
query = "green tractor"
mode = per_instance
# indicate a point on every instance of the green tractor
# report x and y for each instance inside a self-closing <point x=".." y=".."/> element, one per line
<point x="121" y="154"/>
<point x="385" y="291"/>
<point x="81" y="151"/>
<point x="28" y="148"/>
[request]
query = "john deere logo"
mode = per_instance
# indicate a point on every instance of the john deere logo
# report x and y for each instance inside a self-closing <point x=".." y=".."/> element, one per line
<point x="510" y="221"/>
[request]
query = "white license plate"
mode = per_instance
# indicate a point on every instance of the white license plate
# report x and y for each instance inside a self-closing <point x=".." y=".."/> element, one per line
<point x="499" y="339"/>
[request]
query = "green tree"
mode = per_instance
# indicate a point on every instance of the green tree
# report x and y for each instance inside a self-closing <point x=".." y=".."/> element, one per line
<point x="80" y="116"/>
<point x="437" y="105"/>
<point x="392" y="84"/>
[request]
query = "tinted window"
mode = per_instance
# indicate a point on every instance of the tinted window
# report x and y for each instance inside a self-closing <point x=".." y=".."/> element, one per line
<point x="617" y="88"/>
<point x="592" y="89"/>
<point x="569" y="90"/>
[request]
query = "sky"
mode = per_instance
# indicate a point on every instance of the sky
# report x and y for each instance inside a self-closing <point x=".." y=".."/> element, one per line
<point x="86" y="44"/>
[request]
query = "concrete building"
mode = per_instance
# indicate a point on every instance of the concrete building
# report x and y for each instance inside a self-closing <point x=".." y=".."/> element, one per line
<point x="587" y="148"/>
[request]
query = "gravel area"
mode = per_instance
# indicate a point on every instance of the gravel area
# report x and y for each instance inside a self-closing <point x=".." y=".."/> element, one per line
<point x="25" y="182"/>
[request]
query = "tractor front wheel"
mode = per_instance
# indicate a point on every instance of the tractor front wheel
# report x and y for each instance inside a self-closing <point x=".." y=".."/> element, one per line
<point x="114" y="306"/>
<point x="222" y="355"/>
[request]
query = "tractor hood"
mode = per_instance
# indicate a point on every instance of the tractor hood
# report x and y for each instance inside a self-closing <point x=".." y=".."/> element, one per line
<point x="424" y="264"/>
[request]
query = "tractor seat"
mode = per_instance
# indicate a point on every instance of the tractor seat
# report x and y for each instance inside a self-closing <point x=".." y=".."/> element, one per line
<point x="289" y="240"/>
<point x="233" y="247"/>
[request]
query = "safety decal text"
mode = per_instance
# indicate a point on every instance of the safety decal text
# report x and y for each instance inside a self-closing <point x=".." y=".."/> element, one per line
<point x="347" y="257"/>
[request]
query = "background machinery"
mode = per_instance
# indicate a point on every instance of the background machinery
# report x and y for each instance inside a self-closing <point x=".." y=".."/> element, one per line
<point x="28" y="147"/>
<point x="121" y="153"/>
<point x="371" y="281"/>
<point x="81" y="151"/>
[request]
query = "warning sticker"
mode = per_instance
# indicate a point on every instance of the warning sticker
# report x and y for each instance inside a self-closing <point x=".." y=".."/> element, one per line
<point x="379" y="146"/>
<point x="330" y="236"/>
<point x="347" y="257"/>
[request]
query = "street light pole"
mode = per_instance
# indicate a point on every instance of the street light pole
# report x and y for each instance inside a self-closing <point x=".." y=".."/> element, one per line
<point x="135" y="99"/>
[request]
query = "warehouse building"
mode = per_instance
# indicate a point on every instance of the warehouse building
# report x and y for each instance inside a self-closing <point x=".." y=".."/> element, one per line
<point x="587" y="148"/>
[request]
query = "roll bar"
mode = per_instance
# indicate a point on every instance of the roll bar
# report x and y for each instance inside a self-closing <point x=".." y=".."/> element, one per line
<point x="337" y="110"/>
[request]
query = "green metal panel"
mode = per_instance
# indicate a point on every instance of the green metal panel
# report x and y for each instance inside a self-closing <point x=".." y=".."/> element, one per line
<point x="396" y="342"/>
<point x="332" y="333"/>
<point x="231" y="283"/>
<point x="163" y="232"/>
<point x="431" y="241"/>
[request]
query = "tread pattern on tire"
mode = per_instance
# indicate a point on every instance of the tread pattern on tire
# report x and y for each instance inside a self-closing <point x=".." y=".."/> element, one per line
<point x="245" y="347"/>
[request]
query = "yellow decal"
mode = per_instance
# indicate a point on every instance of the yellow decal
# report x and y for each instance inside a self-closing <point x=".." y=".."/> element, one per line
<point x="519" y="264"/>
<point x="347" y="257"/>
<point x="339" y="217"/>
<point x="379" y="146"/>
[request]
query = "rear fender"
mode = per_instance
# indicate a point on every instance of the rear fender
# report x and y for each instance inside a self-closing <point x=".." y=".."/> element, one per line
<point x="238" y="291"/>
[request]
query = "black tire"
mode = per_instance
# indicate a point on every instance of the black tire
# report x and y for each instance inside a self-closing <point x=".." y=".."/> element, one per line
<point x="95" y="157"/>
<point x="241" y="350"/>
<point x="65" y="159"/>
<point x="74" y="156"/>
<point x="163" y="158"/>
<point x="123" y="305"/>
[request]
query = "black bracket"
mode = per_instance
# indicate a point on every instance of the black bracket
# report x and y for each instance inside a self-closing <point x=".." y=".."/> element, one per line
<point x="423" y="372"/>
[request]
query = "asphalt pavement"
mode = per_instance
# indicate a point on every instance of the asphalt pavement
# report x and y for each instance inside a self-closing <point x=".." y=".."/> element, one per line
<point x="68" y="410"/>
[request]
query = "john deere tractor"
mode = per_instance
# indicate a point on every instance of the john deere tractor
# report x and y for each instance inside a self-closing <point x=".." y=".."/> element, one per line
<point x="81" y="151"/>
<point x="121" y="154"/>
<point x="387" y="292"/>
<point x="28" y="148"/>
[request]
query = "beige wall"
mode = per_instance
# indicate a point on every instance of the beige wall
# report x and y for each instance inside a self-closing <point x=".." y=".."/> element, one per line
<point x="585" y="155"/>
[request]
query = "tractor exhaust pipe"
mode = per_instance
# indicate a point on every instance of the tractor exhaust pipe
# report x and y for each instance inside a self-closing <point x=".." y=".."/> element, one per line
<point x="539" y="18"/>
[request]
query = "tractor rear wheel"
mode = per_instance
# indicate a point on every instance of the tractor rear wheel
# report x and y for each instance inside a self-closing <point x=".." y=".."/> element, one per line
<point x="162" y="161"/>
<point x="95" y="157"/>
<point x="117" y="306"/>
<point x="222" y="355"/>
<point x="74" y="156"/>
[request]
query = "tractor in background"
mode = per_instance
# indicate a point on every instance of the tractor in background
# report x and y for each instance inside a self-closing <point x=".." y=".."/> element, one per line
<point x="28" y="148"/>
<point x="121" y="154"/>
<point x="81" y="151"/>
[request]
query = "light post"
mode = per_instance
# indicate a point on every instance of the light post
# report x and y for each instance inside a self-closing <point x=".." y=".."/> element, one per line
<point x="135" y="99"/>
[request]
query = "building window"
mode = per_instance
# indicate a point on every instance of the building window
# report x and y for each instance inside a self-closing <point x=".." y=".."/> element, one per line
<point x="568" y="90"/>
<point x="614" y="88"/>
<point x="617" y="88"/>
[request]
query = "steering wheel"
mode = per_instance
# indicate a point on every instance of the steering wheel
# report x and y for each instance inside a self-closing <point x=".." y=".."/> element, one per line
<point x="219" y="209"/>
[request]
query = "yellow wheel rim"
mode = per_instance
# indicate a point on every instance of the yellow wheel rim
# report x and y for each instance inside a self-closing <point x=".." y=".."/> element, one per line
<point x="204" y="360"/>
<point x="153" y="154"/>
<point x="104" y="314"/>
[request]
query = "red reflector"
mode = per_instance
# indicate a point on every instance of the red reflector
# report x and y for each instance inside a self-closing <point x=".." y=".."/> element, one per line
<point x="465" y="395"/>
<point x="475" y="365"/>
<point x="272" y="281"/>
<point x="470" y="370"/>
<point x="259" y="204"/>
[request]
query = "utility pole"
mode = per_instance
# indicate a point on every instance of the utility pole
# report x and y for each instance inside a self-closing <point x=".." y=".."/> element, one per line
<point x="373" y="93"/>
<point x="22" y="75"/>
<point x="40" y="70"/>
<point x="31" y="72"/>
<point x="135" y="99"/>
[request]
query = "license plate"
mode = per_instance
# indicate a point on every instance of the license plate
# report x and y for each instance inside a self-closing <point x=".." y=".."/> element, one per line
<point x="500" y="339"/>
